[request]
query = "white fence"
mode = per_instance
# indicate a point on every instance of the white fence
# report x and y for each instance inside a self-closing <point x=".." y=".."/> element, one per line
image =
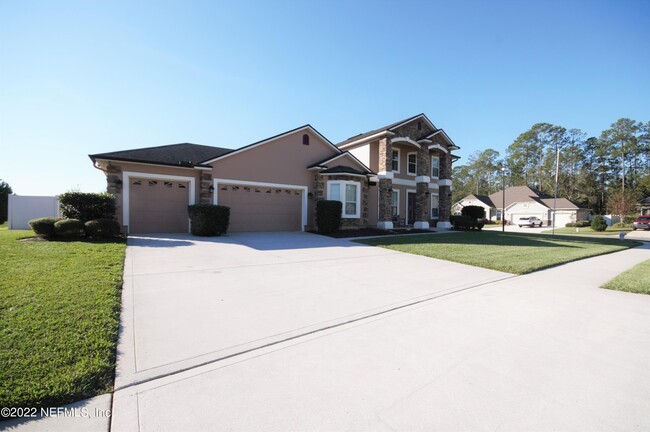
<point x="22" y="209"/>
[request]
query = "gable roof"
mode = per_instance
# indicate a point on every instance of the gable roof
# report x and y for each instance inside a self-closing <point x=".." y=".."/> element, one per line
<point x="323" y="163"/>
<point x="387" y="128"/>
<point x="273" y="138"/>
<point x="515" y="194"/>
<point x="183" y="154"/>
<point x="484" y="199"/>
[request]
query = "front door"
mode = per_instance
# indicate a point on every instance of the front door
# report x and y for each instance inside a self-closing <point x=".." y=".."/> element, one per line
<point x="410" y="208"/>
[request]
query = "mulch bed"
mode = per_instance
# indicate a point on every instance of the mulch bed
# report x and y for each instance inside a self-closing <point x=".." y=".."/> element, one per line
<point x="368" y="232"/>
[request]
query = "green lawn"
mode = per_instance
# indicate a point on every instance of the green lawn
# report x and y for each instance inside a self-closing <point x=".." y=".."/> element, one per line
<point x="517" y="253"/>
<point x="587" y="230"/>
<point x="636" y="280"/>
<point x="59" y="316"/>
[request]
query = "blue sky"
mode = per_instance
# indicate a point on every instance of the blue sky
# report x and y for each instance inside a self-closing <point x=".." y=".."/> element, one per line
<point x="88" y="77"/>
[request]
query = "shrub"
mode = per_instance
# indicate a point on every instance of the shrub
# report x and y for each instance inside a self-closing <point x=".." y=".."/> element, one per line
<point x="87" y="206"/>
<point x="475" y="212"/>
<point x="579" y="224"/>
<point x="43" y="226"/>
<point x="598" y="224"/>
<point x="328" y="216"/>
<point x="102" y="228"/>
<point x="208" y="220"/>
<point x="466" y="223"/>
<point x="70" y="228"/>
<point x="620" y="225"/>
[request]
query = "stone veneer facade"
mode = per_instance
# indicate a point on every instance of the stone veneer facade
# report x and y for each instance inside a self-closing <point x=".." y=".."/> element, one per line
<point x="319" y="193"/>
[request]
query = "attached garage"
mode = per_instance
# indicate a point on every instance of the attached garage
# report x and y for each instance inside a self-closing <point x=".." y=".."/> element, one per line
<point x="158" y="204"/>
<point x="262" y="208"/>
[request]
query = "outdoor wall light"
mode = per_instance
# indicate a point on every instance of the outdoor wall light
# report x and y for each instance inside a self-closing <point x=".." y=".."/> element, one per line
<point x="211" y="188"/>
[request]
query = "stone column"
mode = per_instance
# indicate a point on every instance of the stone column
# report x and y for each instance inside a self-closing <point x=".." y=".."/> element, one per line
<point x="422" y="189"/>
<point x="205" y="196"/>
<point x="318" y="194"/>
<point x="385" y="176"/>
<point x="444" y="197"/>
<point x="444" y="192"/>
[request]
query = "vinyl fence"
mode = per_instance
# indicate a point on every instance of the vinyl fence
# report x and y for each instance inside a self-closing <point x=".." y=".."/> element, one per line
<point x="22" y="209"/>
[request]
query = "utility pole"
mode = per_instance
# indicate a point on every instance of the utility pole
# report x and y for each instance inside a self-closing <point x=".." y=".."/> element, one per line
<point x="557" y="172"/>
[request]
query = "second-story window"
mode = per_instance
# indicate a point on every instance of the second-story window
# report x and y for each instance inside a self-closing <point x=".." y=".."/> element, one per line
<point x="395" y="164"/>
<point x="435" y="166"/>
<point x="412" y="164"/>
<point x="305" y="139"/>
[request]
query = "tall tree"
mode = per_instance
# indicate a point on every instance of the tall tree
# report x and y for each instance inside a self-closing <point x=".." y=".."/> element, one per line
<point x="5" y="190"/>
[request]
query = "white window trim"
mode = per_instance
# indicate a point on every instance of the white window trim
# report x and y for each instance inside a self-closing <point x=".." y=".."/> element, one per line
<point x="432" y="158"/>
<point x="431" y="206"/>
<point x="406" y="216"/>
<point x="357" y="215"/>
<point x="304" y="190"/>
<point x="126" y="194"/>
<point x="398" y="196"/>
<point x="399" y="160"/>
<point x="407" y="163"/>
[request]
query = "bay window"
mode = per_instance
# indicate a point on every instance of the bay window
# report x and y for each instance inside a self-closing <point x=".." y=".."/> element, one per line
<point x="349" y="194"/>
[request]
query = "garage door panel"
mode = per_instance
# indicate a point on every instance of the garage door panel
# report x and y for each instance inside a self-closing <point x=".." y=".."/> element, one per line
<point x="158" y="206"/>
<point x="262" y="209"/>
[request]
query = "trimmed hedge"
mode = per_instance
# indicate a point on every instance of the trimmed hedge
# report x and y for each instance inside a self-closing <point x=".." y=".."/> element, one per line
<point x="598" y="224"/>
<point x="579" y="224"/>
<point x="70" y="228"/>
<point x="328" y="216"/>
<point x="209" y="220"/>
<point x="102" y="228"/>
<point x="461" y="223"/>
<point x="475" y="212"/>
<point x="44" y="226"/>
<point x="87" y="206"/>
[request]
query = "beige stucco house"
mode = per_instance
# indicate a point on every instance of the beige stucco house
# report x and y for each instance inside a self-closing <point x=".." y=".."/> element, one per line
<point x="399" y="174"/>
<point x="522" y="201"/>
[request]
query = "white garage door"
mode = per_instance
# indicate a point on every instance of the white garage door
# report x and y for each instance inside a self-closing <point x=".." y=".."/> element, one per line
<point x="255" y="208"/>
<point x="563" y="217"/>
<point x="158" y="206"/>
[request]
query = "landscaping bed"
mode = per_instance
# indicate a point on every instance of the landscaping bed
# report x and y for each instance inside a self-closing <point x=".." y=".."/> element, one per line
<point x="517" y="253"/>
<point x="369" y="232"/>
<point x="636" y="280"/>
<point x="59" y="318"/>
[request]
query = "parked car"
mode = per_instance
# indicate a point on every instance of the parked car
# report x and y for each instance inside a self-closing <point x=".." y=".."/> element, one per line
<point x="642" y="222"/>
<point x="530" y="221"/>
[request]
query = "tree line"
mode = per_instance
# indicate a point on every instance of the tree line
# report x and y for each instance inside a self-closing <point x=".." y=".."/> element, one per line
<point x="607" y="174"/>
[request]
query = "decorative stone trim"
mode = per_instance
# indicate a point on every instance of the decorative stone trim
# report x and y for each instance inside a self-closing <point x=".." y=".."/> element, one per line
<point x="443" y="225"/>
<point x="385" y="225"/>
<point x="444" y="182"/>
<point x="385" y="175"/>
<point x="385" y="155"/>
<point x="205" y="195"/>
<point x="421" y="225"/>
<point x="422" y="179"/>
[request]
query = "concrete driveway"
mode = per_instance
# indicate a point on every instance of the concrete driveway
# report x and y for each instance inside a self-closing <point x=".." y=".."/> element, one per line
<point x="302" y="332"/>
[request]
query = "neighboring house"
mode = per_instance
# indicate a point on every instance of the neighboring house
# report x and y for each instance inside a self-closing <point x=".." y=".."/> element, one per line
<point x="644" y="206"/>
<point x="523" y="201"/>
<point x="273" y="184"/>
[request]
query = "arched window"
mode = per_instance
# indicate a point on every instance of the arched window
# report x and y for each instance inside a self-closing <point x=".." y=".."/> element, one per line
<point x="419" y="125"/>
<point x="305" y="139"/>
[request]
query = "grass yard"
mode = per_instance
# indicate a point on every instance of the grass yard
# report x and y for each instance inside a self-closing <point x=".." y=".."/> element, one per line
<point x="508" y="252"/>
<point x="588" y="231"/>
<point x="636" y="280"/>
<point x="59" y="316"/>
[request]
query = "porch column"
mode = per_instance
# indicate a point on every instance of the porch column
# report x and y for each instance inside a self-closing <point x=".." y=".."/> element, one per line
<point x="445" y="191"/>
<point x="385" y="175"/>
<point x="422" y="189"/>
